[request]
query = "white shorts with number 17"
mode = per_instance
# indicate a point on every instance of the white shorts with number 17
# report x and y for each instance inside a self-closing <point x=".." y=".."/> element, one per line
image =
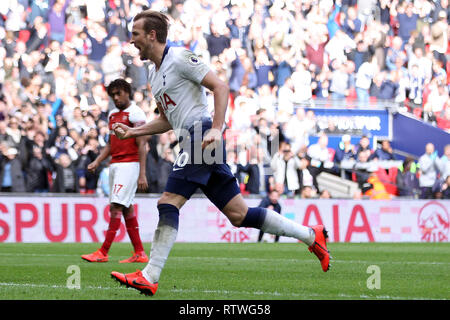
<point x="123" y="182"/>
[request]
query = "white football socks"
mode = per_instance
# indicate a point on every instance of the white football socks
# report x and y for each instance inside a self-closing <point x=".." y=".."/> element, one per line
<point x="163" y="241"/>
<point x="276" y="224"/>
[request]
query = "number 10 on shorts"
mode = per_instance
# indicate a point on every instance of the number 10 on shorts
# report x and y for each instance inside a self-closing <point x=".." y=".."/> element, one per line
<point x="117" y="188"/>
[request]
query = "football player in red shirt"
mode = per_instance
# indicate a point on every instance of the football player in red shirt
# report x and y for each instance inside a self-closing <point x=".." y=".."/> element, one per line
<point x="126" y="172"/>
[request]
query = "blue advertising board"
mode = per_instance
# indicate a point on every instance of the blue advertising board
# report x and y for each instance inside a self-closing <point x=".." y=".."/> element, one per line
<point x="355" y="122"/>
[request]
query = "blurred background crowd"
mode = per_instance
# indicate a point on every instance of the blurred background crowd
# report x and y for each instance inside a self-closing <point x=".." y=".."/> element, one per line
<point x="277" y="56"/>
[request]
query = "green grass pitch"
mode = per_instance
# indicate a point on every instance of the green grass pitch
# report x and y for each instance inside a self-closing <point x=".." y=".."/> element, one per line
<point x="247" y="271"/>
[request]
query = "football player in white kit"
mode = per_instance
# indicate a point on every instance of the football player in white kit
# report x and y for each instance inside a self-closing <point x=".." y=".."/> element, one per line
<point x="126" y="175"/>
<point x="177" y="79"/>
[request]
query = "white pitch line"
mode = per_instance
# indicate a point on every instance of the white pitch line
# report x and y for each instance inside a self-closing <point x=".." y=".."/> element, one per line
<point x="34" y="285"/>
<point x="255" y="293"/>
<point x="247" y="259"/>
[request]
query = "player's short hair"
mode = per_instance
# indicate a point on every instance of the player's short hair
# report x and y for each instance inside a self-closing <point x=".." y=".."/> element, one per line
<point x="120" y="84"/>
<point x="154" y="20"/>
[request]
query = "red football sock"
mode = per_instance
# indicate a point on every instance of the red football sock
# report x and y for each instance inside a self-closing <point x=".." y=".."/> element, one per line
<point x="133" y="233"/>
<point x="114" y="225"/>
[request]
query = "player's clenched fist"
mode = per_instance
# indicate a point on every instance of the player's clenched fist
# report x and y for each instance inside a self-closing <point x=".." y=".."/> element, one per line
<point x="121" y="131"/>
<point x="92" y="166"/>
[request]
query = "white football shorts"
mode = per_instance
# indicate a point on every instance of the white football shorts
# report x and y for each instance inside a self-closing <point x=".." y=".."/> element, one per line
<point x="123" y="182"/>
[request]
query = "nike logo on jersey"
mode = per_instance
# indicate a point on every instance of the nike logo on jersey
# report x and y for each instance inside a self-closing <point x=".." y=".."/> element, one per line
<point x="176" y="169"/>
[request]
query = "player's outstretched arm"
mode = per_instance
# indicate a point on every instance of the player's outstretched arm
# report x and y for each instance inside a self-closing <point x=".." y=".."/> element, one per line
<point x="142" y="179"/>
<point x="221" y="91"/>
<point x="102" y="156"/>
<point x="156" y="126"/>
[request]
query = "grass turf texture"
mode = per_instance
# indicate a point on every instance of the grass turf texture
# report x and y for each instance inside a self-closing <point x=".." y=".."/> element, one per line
<point x="196" y="271"/>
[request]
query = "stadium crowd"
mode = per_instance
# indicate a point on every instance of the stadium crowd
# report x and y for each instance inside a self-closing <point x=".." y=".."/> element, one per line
<point x="57" y="56"/>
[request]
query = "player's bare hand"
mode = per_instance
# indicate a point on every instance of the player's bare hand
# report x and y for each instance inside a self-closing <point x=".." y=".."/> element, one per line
<point x="121" y="131"/>
<point x="213" y="138"/>
<point x="142" y="184"/>
<point x="92" y="166"/>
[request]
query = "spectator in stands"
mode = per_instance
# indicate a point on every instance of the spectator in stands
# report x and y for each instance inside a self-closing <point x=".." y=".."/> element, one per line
<point x="165" y="166"/>
<point x="217" y="41"/>
<point x="38" y="35"/>
<point x="152" y="170"/>
<point x="438" y="72"/>
<point x="340" y="80"/>
<point x="338" y="46"/>
<point x="394" y="53"/>
<point x="376" y="189"/>
<point x="283" y="68"/>
<point x="14" y="131"/>
<point x="321" y="84"/>
<point x="4" y="135"/>
<point x="254" y="172"/>
<point x="296" y="130"/>
<point x="439" y="40"/>
<point x="360" y="54"/>
<point x="310" y="122"/>
<point x="362" y="169"/>
<point x="301" y="79"/>
<point x="417" y="58"/>
<point x="364" y="78"/>
<point x="390" y="87"/>
<point x="384" y="153"/>
<point x="444" y="163"/>
<point x="271" y="201"/>
<point x="306" y="192"/>
<point x="65" y="180"/>
<point x="429" y="168"/>
<point x="284" y="165"/>
<point x="263" y="68"/>
<point x="112" y="64"/>
<point x="134" y="68"/>
<point x="407" y="181"/>
<point x="321" y="156"/>
<point x="444" y="122"/>
<point x="315" y="49"/>
<point x="305" y="175"/>
<point x="345" y="151"/>
<point x="37" y="172"/>
<point x="57" y="19"/>
<point x="38" y="8"/>
<point x="12" y="176"/>
<point x="98" y="37"/>
<point x="286" y="97"/>
<point x="87" y="180"/>
<point x="352" y="24"/>
<point x="238" y="72"/>
<point x="445" y="189"/>
<point x="416" y="86"/>
<point x="437" y="98"/>
<point x="325" y="194"/>
<point x="406" y="17"/>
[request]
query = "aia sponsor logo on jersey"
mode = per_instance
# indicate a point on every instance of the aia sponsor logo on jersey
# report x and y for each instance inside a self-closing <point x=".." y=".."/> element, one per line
<point x="165" y="101"/>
